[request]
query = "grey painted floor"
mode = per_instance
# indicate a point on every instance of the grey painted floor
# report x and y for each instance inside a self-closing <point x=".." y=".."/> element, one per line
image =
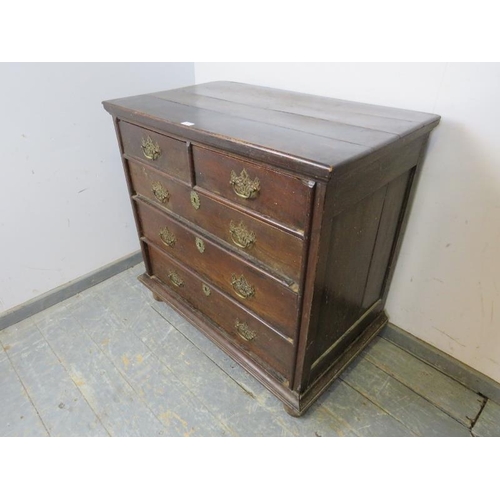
<point x="113" y="362"/>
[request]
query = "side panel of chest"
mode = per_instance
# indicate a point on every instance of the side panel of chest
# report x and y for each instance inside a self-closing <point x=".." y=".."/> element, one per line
<point x="360" y="233"/>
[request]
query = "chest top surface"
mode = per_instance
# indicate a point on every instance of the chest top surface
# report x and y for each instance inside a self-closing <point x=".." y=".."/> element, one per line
<point x="316" y="134"/>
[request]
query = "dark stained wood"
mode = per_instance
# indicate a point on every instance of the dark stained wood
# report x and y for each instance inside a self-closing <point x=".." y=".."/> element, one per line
<point x="291" y="143"/>
<point x="287" y="119"/>
<point x="375" y="175"/>
<point x="390" y="217"/>
<point x="277" y="249"/>
<point x="280" y="197"/>
<point x="353" y="238"/>
<point x="336" y="182"/>
<point x="314" y="283"/>
<point x="272" y="301"/>
<point x="302" y="104"/>
<point x="173" y="157"/>
<point x="268" y="348"/>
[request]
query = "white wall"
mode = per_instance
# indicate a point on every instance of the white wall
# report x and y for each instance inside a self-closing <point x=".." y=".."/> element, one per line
<point x="63" y="207"/>
<point x="447" y="283"/>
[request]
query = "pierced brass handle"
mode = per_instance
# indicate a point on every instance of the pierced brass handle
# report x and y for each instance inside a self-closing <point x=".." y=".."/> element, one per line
<point x="160" y="193"/>
<point x="175" y="279"/>
<point x="244" y="331"/>
<point x="241" y="287"/>
<point x="243" y="186"/>
<point x="206" y="289"/>
<point x="167" y="237"/>
<point x="200" y="245"/>
<point x="241" y="236"/>
<point x="151" y="150"/>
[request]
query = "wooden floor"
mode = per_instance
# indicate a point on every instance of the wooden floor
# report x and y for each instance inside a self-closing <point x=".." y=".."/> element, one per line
<point x="113" y="362"/>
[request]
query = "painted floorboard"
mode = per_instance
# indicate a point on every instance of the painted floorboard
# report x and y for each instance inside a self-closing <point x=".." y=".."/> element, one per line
<point x="179" y="411"/>
<point x="141" y="369"/>
<point x="450" y="396"/>
<point x="236" y="408"/>
<point x="177" y="361"/>
<point x="488" y="423"/>
<point x="113" y="400"/>
<point x="18" y="416"/>
<point x="317" y="422"/>
<point x="359" y="414"/>
<point x="57" y="399"/>
<point x="405" y="405"/>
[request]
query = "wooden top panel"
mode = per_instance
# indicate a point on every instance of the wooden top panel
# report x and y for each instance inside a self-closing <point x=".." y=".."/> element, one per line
<point x="307" y="134"/>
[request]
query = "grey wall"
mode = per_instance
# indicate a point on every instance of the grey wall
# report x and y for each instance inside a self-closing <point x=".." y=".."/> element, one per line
<point x="63" y="209"/>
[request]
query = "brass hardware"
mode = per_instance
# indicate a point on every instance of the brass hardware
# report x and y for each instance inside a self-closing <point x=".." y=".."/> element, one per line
<point x="243" y="186"/>
<point x="150" y="149"/>
<point x="175" y="279"/>
<point x="167" y="237"/>
<point x="241" y="236"/>
<point x="241" y="287"/>
<point x="244" y="331"/>
<point x="206" y="289"/>
<point x="195" y="200"/>
<point x="160" y="193"/>
<point x="200" y="245"/>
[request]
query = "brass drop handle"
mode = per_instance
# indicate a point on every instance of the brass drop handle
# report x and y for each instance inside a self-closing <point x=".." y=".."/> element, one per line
<point x="241" y="236"/>
<point x="241" y="287"/>
<point x="167" y="237"/>
<point x="244" y="331"/>
<point x="243" y="186"/>
<point x="200" y="245"/>
<point x="175" y="279"/>
<point x="159" y="192"/>
<point x="151" y="150"/>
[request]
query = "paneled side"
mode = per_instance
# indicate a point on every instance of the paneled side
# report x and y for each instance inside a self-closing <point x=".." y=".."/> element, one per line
<point x="391" y="216"/>
<point x="353" y="238"/>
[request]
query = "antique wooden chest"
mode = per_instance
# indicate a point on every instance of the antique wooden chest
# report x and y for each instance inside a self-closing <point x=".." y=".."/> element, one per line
<point x="272" y="220"/>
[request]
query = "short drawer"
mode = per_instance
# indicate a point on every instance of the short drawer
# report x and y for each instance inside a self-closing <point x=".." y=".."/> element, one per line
<point x="266" y="296"/>
<point x="164" y="153"/>
<point x="274" y="194"/>
<point x="277" y="249"/>
<point x="247" y="332"/>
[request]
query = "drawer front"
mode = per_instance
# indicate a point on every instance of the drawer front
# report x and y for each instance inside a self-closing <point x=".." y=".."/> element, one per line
<point x="279" y="196"/>
<point x="277" y="249"/>
<point x="244" y="330"/>
<point x="267" y="297"/>
<point x="165" y="153"/>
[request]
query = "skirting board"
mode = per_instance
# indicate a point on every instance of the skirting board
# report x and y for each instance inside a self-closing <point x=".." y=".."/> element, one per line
<point x="443" y="362"/>
<point x="52" y="297"/>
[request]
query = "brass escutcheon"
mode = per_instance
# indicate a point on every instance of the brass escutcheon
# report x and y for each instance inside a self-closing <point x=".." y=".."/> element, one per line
<point x="167" y="237"/>
<point x="160" y="193"/>
<point x="175" y="279"/>
<point x="195" y="200"/>
<point x="244" y="330"/>
<point x="241" y="236"/>
<point x="241" y="287"/>
<point x="206" y="289"/>
<point x="200" y="245"/>
<point x="243" y="186"/>
<point x="150" y="149"/>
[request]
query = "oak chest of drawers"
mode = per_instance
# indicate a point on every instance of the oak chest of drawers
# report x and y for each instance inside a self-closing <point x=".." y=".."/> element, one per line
<point x="272" y="220"/>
